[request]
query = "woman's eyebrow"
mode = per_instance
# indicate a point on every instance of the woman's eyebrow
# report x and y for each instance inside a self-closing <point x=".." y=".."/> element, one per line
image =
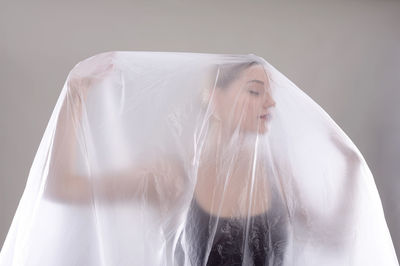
<point x="256" y="80"/>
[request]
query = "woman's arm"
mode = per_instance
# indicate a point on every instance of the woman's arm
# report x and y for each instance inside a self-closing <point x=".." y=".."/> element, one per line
<point x="331" y="224"/>
<point x="156" y="181"/>
<point x="321" y="221"/>
<point x="62" y="183"/>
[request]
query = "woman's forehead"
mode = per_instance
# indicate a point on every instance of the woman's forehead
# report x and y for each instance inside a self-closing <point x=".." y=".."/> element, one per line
<point x="254" y="75"/>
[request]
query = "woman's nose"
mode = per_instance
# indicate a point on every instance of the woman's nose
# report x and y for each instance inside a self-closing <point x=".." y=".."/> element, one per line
<point x="269" y="101"/>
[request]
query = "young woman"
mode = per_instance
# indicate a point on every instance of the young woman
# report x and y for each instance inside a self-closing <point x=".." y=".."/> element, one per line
<point x="233" y="193"/>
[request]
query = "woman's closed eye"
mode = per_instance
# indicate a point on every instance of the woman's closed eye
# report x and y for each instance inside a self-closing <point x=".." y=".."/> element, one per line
<point x="253" y="92"/>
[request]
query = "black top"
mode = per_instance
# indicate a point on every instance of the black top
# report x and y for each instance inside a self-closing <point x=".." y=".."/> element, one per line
<point x="264" y="244"/>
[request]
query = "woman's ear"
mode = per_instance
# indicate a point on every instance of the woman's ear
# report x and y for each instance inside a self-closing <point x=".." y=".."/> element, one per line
<point x="209" y="101"/>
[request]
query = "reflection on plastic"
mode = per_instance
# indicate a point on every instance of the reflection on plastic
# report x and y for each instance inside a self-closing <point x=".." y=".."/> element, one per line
<point x="162" y="158"/>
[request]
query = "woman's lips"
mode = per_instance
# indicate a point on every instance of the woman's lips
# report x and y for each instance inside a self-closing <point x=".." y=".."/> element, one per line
<point x="265" y="116"/>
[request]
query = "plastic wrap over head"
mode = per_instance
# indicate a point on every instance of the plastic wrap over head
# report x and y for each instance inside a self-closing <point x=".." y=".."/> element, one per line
<point x="171" y="158"/>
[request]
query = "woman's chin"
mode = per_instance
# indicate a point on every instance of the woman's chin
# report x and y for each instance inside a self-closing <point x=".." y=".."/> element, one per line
<point x="262" y="129"/>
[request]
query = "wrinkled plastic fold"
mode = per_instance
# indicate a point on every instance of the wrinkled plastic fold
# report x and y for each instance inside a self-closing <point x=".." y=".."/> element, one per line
<point x="172" y="158"/>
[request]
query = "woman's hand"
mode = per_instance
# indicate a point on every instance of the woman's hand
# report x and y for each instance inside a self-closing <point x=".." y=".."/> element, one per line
<point x="88" y="73"/>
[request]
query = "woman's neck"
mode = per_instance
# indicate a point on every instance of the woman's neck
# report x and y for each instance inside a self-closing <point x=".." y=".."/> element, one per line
<point x="228" y="152"/>
<point x="226" y="171"/>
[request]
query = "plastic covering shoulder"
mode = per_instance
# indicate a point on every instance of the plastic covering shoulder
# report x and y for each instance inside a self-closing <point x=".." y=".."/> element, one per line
<point x="173" y="158"/>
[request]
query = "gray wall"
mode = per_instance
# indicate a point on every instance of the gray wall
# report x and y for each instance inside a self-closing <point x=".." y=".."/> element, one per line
<point x="344" y="54"/>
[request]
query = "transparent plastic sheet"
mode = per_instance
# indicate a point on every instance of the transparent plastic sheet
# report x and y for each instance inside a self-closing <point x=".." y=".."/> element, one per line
<point x="163" y="158"/>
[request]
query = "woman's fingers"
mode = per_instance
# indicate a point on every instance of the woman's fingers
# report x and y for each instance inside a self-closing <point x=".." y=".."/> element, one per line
<point x="89" y="72"/>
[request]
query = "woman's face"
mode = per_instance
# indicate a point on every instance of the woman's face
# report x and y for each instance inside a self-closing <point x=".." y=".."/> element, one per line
<point x="246" y="103"/>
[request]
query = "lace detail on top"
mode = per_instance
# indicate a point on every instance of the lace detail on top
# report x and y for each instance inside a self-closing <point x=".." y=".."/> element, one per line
<point x="264" y="245"/>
